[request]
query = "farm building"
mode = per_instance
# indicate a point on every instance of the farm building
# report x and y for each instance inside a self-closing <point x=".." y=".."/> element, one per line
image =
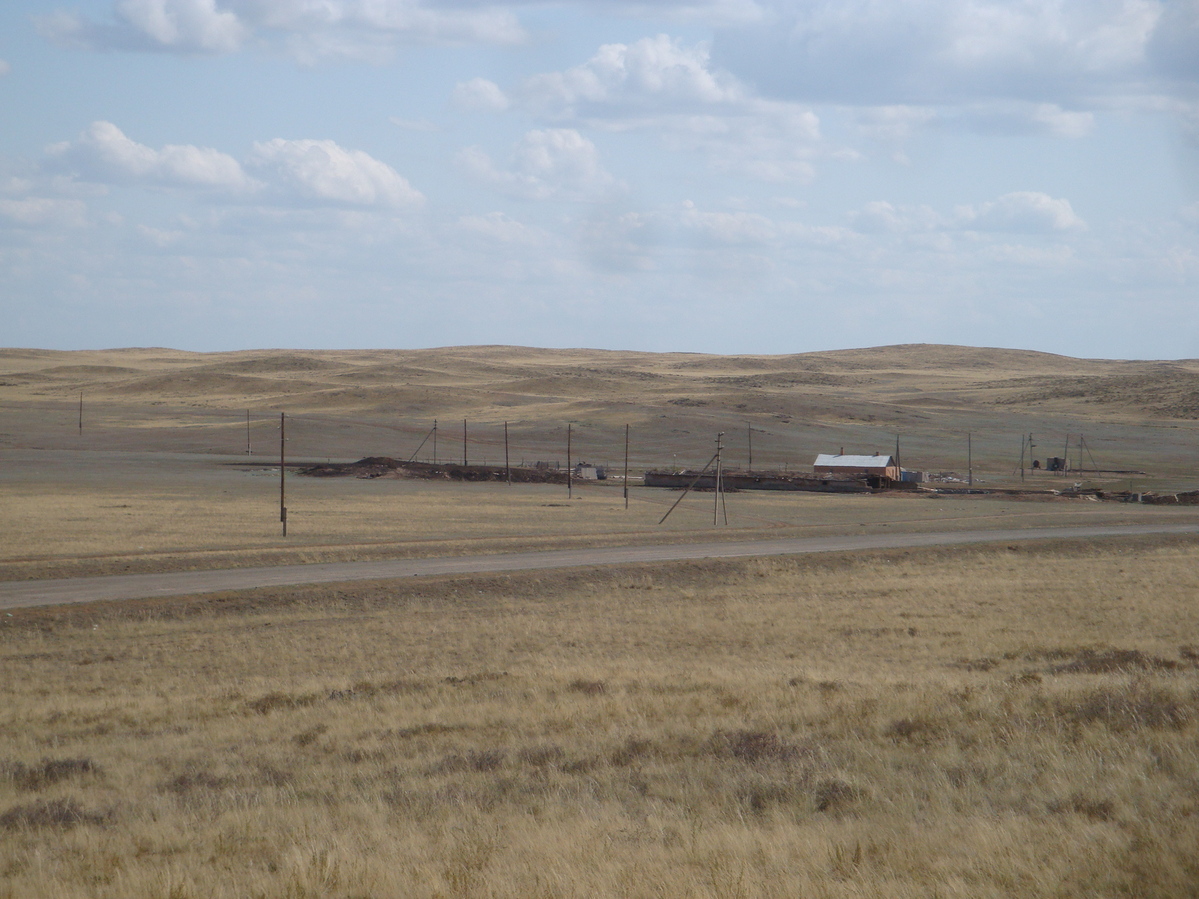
<point x="876" y="467"/>
<point x="585" y="471"/>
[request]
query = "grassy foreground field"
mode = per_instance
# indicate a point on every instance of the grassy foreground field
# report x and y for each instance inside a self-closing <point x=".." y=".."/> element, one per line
<point x="984" y="722"/>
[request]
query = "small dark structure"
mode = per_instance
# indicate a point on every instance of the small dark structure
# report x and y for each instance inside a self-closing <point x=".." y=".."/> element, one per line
<point x="760" y="480"/>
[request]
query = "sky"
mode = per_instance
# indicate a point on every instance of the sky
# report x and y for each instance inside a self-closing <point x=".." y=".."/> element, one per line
<point x="727" y="176"/>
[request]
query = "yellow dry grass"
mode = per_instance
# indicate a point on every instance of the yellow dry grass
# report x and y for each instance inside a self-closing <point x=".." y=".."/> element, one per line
<point x="1134" y="415"/>
<point x="109" y="514"/>
<point x="959" y="723"/>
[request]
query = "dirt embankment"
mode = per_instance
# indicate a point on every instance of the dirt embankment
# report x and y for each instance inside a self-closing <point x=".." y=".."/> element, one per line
<point x="386" y="467"/>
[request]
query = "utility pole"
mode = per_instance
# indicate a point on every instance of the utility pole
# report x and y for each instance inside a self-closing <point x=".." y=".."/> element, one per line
<point x="282" y="469"/>
<point x="626" y="466"/>
<point x="507" y="467"/>
<point x="719" y="483"/>
<point x="969" y="462"/>
<point x="569" y="469"/>
<point x="464" y="443"/>
<point x="1021" y="458"/>
<point x="81" y="412"/>
<point x="249" y="452"/>
<point x="435" y="441"/>
<point x="749" y="439"/>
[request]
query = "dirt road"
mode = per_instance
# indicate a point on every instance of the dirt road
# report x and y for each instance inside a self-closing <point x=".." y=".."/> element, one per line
<point x="16" y="594"/>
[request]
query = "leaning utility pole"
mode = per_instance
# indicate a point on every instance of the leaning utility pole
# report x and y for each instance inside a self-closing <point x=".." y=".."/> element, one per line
<point x="282" y="469"/>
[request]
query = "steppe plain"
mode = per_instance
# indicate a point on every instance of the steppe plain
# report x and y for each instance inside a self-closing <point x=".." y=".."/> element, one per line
<point x="1009" y="720"/>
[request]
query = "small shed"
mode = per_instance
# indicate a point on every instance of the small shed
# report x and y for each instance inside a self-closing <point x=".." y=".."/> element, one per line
<point x="585" y="471"/>
<point x="876" y="466"/>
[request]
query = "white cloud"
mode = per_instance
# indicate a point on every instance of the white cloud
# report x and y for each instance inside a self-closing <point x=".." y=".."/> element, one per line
<point x="103" y="153"/>
<point x="321" y="170"/>
<point x="927" y="52"/>
<point x="881" y="217"/>
<point x="43" y="211"/>
<point x="498" y="227"/>
<point x="289" y="170"/>
<point x="158" y="236"/>
<point x="189" y="25"/>
<point x="728" y="228"/>
<point x="661" y="85"/>
<point x="1021" y="211"/>
<point x="555" y="163"/>
<point x="480" y="95"/>
<point x="311" y="30"/>
<point x="658" y="73"/>
<point x="1027" y="211"/>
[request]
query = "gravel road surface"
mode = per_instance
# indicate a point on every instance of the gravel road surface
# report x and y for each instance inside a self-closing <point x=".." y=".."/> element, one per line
<point x="16" y="594"/>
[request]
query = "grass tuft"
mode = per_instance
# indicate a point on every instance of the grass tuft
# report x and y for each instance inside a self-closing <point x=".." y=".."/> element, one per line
<point x="588" y="687"/>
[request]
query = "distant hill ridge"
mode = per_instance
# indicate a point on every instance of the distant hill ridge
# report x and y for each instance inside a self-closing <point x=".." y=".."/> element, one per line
<point x="501" y="382"/>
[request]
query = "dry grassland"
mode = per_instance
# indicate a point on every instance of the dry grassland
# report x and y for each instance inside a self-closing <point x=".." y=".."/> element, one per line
<point x="348" y="404"/>
<point x="88" y="514"/>
<point x="978" y="722"/>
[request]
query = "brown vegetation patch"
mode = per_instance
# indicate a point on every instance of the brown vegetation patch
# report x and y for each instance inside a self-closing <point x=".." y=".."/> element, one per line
<point x="1079" y="804"/>
<point x="274" y="701"/>
<point x="588" y="687"/>
<point x="1132" y="707"/>
<point x="50" y="813"/>
<point x="46" y="772"/>
<point x="1113" y="661"/>
<point x="754" y="747"/>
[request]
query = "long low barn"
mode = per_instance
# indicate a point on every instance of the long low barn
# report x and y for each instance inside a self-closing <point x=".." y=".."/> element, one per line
<point x="875" y="466"/>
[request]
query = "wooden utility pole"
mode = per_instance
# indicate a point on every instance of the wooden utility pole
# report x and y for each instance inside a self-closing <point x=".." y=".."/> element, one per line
<point x="1022" y="457"/>
<point x="249" y="452"/>
<point x="626" y="466"/>
<point x="749" y="439"/>
<point x="464" y="443"/>
<point x="687" y="489"/>
<point x="719" y="483"/>
<point x="969" y="462"/>
<point x="569" y="468"/>
<point x="80" y="411"/>
<point x="507" y="466"/>
<point x="435" y="441"/>
<point x="282" y="470"/>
